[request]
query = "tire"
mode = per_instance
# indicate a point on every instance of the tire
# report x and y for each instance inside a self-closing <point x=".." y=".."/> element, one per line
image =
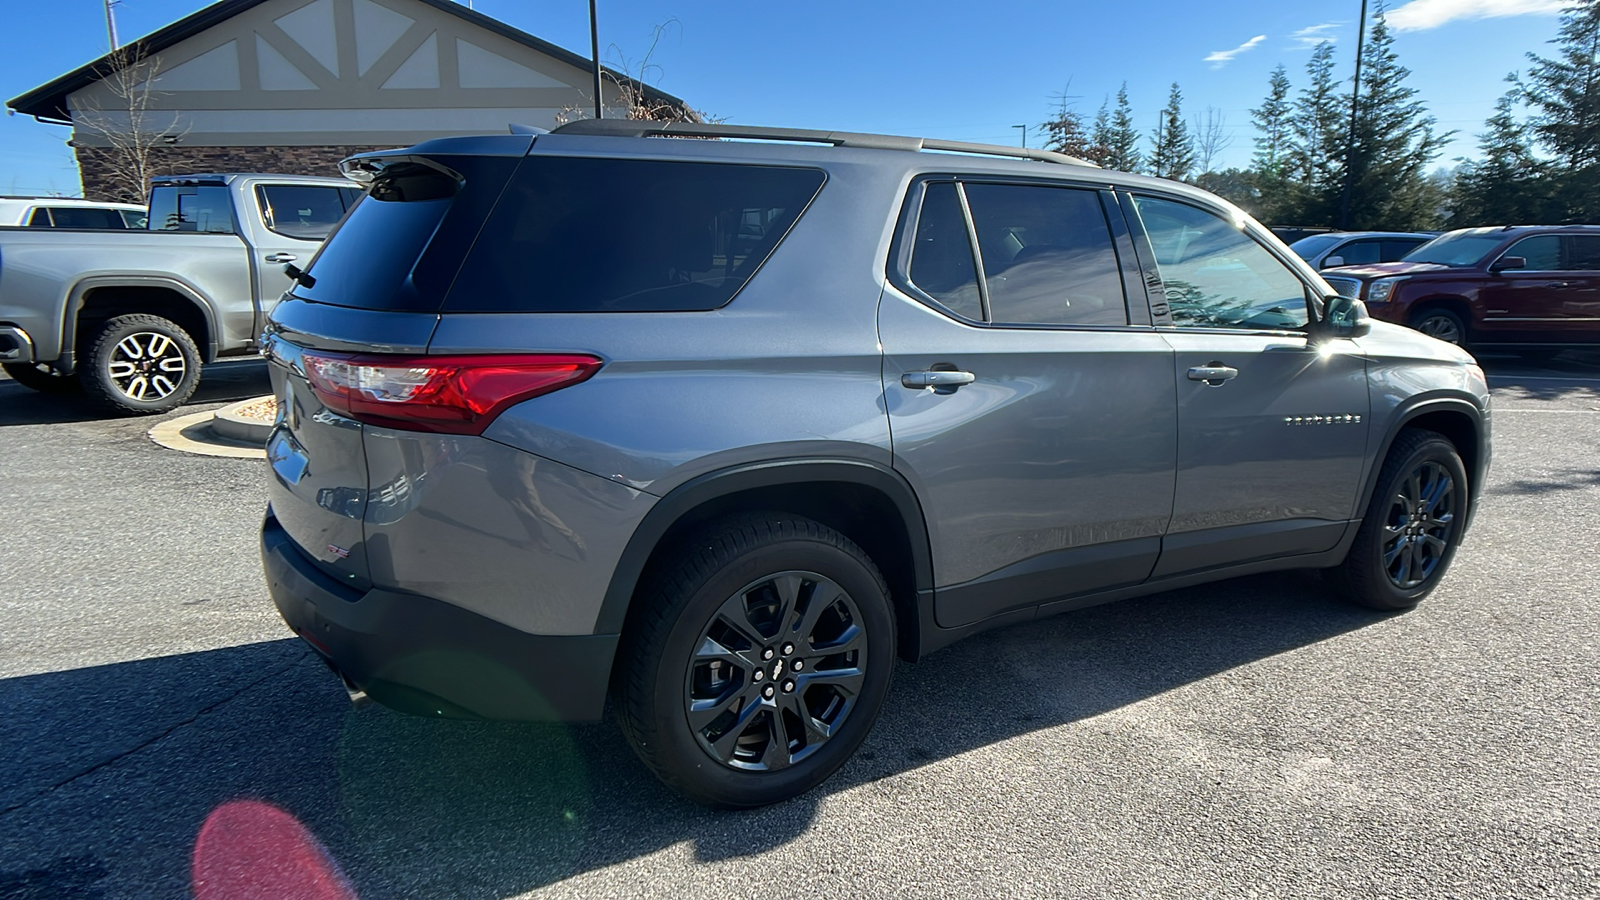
<point x="141" y="365"/>
<point x="1421" y="464"/>
<point x="711" y="633"/>
<point x="43" y="379"/>
<point x="1443" y="324"/>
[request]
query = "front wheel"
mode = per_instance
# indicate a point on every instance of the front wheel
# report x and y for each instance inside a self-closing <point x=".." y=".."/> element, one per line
<point x="1412" y="527"/>
<point x="752" y="672"/>
<point x="142" y="364"/>
<point x="42" y="378"/>
<point x="1442" y="324"/>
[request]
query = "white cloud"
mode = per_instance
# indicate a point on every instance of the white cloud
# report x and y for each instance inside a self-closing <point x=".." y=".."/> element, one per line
<point x="1308" y="38"/>
<point x="1420" y="15"/>
<point x="1220" y="58"/>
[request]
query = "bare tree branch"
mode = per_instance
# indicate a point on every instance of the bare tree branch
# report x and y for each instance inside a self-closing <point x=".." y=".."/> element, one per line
<point x="630" y="84"/>
<point x="130" y="125"/>
<point x="1211" y="137"/>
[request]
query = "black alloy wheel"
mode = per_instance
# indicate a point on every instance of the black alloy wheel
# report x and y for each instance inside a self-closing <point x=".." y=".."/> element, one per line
<point x="776" y="672"/>
<point x="1442" y="324"/>
<point x="753" y="666"/>
<point x="1412" y="527"/>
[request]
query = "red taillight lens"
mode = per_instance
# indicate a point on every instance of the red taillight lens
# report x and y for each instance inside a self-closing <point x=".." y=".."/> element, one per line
<point x="448" y="394"/>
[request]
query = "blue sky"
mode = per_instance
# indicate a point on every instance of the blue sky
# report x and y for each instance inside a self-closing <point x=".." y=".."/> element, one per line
<point x="956" y="69"/>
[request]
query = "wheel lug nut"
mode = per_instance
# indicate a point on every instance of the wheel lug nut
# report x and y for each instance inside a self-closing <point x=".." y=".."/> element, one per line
<point x="768" y="692"/>
<point x="788" y="687"/>
<point x="757" y="675"/>
<point x="788" y="649"/>
<point x="767" y="653"/>
<point x="799" y="664"/>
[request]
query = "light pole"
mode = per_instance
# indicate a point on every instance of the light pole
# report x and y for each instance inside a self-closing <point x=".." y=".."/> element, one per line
<point x="111" y="26"/>
<point x="594" y="48"/>
<point x="1024" y="135"/>
<point x="1350" y="145"/>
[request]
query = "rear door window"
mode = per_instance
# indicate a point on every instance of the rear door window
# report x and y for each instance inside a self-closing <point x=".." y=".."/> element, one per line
<point x="1047" y="255"/>
<point x="1583" y="252"/>
<point x="941" y="258"/>
<point x="304" y="212"/>
<point x="1359" y="253"/>
<point x="612" y="235"/>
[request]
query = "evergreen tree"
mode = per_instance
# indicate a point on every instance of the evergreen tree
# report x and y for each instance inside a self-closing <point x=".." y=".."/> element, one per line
<point x="1564" y="91"/>
<point x="1064" y="132"/>
<point x="1172" y="155"/>
<point x="1315" y="161"/>
<point x="1507" y="185"/>
<point x="1100" y="137"/>
<point x="1122" y="140"/>
<point x="1394" y="143"/>
<point x="1274" y="119"/>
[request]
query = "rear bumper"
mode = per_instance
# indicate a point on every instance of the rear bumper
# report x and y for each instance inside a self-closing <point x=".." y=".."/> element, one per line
<point x="15" y="345"/>
<point x="432" y="658"/>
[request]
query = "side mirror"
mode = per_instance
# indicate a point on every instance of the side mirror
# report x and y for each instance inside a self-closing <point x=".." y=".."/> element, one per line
<point x="1508" y="262"/>
<point x="1345" y="317"/>
<point x="1333" y="262"/>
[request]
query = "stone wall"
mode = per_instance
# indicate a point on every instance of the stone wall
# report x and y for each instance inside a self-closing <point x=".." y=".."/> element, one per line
<point x="100" y="184"/>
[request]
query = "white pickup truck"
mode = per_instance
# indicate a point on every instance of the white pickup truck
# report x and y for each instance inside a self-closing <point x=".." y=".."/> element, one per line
<point x="130" y="316"/>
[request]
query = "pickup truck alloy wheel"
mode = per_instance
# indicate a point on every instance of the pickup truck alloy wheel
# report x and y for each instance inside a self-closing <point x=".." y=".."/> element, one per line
<point x="1412" y="526"/>
<point x="753" y="666"/>
<point x="143" y="364"/>
<point x="776" y="671"/>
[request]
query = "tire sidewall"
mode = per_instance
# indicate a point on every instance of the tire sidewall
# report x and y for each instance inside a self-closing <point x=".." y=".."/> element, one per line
<point x="97" y="378"/>
<point x="1439" y="312"/>
<point x="680" y="751"/>
<point x="1437" y="450"/>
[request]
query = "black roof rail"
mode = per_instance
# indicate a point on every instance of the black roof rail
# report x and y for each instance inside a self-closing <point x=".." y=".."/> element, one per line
<point x="641" y="128"/>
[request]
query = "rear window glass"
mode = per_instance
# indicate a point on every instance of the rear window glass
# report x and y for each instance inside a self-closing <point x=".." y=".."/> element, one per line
<point x="203" y="208"/>
<point x="609" y="235"/>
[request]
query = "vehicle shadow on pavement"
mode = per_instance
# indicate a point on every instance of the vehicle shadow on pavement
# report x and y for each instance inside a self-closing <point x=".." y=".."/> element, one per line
<point x="219" y="383"/>
<point x="114" y="769"/>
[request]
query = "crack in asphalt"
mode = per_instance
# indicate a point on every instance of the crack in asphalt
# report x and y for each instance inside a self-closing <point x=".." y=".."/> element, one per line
<point x="152" y="741"/>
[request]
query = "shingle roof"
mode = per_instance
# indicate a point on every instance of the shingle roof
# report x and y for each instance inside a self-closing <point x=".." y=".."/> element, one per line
<point x="49" y="101"/>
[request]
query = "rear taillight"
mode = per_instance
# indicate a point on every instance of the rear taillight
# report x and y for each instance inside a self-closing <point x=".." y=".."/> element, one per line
<point x="448" y="394"/>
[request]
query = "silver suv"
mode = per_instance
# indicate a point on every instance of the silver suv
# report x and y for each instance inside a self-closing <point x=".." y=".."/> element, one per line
<point x="719" y="429"/>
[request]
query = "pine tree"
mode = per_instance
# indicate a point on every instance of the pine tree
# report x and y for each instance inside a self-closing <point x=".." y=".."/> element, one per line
<point x="1564" y="91"/>
<point x="1100" y="137"/>
<point x="1122" y="140"/>
<point x="1315" y="160"/>
<point x="1394" y="142"/>
<point x="1507" y="185"/>
<point x="1274" y="119"/>
<point x="1172" y="155"/>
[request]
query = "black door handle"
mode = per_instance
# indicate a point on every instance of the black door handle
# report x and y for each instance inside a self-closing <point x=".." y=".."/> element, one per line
<point x="1214" y="373"/>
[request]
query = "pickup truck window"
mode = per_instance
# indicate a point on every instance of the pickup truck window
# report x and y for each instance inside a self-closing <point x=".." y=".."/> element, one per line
<point x="203" y="208"/>
<point x="304" y="212"/>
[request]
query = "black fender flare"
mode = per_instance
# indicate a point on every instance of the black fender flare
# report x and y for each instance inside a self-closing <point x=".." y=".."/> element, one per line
<point x="708" y="487"/>
<point x="80" y="289"/>
<point x="1409" y="412"/>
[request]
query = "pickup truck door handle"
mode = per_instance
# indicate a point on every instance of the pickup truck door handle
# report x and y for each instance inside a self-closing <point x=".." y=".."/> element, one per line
<point x="943" y="381"/>
<point x="280" y="257"/>
<point x="1213" y="374"/>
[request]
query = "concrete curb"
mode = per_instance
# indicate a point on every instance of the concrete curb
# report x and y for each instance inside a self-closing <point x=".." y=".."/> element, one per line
<point x="234" y="424"/>
<point x="193" y="434"/>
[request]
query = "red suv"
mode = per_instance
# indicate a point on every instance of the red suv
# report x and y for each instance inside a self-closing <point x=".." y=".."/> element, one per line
<point x="1534" y="288"/>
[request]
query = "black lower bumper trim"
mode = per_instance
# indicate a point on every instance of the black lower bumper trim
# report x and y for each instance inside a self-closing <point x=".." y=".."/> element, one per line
<point x="427" y="657"/>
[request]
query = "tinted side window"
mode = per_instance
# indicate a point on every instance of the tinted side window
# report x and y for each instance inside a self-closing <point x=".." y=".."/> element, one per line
<point x="1359" y="253"/>
<point x="85" y="217"/>
<point x="599" y="235"/>
<point x="1217" y="276"/>
<point x="1542" y="251"/>
<point x="941" y="261"/>
<point x="1047" y="255"/>
<point x="1393" y="250"/>
<point x="1583" y="252"/>
<point x="300" y="211"/>
<point x="205" y="208"/>
<point x="40" y="219"/>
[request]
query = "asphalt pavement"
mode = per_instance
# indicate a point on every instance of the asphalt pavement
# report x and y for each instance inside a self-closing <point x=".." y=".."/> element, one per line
<point x="1256" y="737"/>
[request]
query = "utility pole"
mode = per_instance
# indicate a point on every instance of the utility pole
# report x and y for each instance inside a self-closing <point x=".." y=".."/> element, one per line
<point x="594" y="48"/>
<point x="111" y="26"/>
<point x="1024" y="135"/>
<point x="1350" y="145"/>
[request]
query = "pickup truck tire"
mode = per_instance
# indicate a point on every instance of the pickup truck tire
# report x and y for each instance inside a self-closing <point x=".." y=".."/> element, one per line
<point x="1412" y="526"/>
<point x="755" y="667"/>
<point x="141" y="365"/>
<point x="41" y="378"/>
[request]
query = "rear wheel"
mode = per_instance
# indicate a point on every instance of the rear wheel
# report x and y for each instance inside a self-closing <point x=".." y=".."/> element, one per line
<point x="1412" y="527"/>
<point x="142" y="364"/>
<point x="41" y="377"/>
<point x="1442" y="324"/>
<point x="752" y="672"/>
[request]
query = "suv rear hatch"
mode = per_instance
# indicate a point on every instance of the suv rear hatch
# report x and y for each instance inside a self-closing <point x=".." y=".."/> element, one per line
<point x="375" y="287"/>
